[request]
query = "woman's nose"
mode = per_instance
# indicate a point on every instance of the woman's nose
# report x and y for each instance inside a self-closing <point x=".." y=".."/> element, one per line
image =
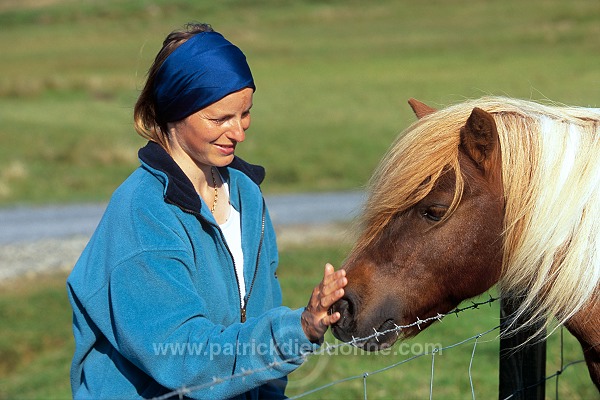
<point x="238" y="130"/>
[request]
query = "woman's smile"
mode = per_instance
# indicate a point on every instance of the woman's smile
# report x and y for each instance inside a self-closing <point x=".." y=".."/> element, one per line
<point x="225" y="149"/>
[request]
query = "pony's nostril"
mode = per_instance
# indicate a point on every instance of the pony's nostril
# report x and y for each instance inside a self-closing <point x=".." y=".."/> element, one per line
<point x="346" y="309"/>
<point x="343" y="329"/>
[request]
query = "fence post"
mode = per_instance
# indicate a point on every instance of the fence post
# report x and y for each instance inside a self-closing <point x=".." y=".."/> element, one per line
<point x="522" y="369"/>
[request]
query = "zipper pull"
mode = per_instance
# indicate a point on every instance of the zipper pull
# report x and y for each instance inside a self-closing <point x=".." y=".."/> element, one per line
<point x="243" y="310"/>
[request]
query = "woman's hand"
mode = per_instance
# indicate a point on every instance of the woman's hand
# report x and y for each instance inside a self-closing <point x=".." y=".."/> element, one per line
<point x="316" y="318"/>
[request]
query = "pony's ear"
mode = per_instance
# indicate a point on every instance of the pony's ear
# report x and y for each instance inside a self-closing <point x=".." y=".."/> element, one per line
<point x="479" y="138"/>
<point x="420" y="109"/>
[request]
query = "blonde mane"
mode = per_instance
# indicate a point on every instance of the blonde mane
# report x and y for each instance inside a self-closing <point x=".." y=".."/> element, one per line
<point x="551" y="177"/>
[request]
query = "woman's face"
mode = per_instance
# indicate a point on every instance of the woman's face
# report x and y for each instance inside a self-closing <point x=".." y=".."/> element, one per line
<point x="209" y="136"/>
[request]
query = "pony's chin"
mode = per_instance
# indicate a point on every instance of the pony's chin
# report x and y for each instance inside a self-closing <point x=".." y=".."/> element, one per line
<point x="382" y="338"/>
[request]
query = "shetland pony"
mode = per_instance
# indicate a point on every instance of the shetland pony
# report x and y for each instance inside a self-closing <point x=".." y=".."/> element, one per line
<point x="495" y="190"/>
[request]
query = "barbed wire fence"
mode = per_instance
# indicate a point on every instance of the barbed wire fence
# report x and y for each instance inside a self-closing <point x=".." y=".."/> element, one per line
<point x="328" y="349"/>
<point x="523" y="391"/>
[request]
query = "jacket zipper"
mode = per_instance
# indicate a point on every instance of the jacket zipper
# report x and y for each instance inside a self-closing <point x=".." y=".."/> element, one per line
<point x="262" y="236"/>
<point x="237" y="280"/>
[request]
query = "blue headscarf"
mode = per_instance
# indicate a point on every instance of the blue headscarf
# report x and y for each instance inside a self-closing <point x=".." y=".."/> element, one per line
<point x="201" y="71"/>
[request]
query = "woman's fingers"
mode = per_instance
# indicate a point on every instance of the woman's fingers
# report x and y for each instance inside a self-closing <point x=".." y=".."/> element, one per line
<point x="330" y="319"/>
<point x="316" y="318"/>
<point x="332" y="282"/>
<point x="330" y="275"/>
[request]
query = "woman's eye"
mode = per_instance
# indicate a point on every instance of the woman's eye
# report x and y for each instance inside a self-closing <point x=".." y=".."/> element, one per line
<point x="435" y="213"/>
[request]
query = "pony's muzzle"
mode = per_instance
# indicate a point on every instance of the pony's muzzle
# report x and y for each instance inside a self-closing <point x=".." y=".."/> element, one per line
<point x="346" y="325"/>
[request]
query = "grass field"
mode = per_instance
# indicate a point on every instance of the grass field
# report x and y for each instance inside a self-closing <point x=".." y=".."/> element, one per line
<point x="333" y="78"/>
<point x="36" y="346"/>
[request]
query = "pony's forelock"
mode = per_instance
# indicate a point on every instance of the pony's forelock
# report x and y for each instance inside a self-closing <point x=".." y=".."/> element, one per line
<point x="396" y="185"/>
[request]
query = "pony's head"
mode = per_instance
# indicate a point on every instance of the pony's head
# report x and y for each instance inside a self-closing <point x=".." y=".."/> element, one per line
<point x="432" y="227"/>
<point x="467" y="195"/>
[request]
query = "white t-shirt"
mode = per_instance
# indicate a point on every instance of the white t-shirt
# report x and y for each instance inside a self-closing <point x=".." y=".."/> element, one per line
<point x="232" y="230"/>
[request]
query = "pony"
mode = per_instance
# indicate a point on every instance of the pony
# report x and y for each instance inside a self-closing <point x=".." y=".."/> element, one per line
<point x="488" y="191"/>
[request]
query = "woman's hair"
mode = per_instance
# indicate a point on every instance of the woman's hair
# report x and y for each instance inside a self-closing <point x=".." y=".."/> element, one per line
<point x="146" y="122"/>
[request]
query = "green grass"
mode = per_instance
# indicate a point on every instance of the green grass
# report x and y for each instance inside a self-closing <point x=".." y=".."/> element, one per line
<point x="36" y="343"/>
<point x="36" y="346"/>
<point x="333" y="78"/>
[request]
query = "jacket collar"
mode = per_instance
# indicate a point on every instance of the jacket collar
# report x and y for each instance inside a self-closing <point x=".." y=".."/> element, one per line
<point x="178" y="188"/>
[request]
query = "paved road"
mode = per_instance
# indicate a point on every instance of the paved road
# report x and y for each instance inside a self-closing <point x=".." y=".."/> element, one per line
<point x="39" y="239"/>
<point x="25" y="224"/>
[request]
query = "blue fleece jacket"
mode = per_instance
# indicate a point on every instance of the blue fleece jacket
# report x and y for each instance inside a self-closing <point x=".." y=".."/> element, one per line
<point x="156" y="303"/>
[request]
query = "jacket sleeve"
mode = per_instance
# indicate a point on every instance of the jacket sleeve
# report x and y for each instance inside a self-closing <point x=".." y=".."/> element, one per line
<point x="180" y="347"/>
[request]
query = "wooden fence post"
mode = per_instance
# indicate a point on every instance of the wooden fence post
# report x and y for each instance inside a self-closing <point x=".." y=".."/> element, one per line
<point x="522" y="369"/>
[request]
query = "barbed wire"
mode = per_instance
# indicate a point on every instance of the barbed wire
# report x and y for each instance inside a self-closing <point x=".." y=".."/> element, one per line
<point x="328" y="349"/>
<point x="435" y="351"/>
<point x="397" y="328"/>
<point x="556" y="374"/>
<point x="547" y="378"/>
<point x="396" y="364"/>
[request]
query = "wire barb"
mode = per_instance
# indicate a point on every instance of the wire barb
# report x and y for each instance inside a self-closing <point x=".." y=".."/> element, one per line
<point x="329" y="349"/>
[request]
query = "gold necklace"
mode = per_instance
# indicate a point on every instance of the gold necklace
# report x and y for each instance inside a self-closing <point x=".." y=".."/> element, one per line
<point x="214" y="206"/>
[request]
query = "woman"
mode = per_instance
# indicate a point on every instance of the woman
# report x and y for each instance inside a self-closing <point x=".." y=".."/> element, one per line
<point x="177" y="286"/>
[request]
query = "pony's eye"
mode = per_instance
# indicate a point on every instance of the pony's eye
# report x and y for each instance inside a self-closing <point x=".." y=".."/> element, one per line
<point x="435" y="213"/>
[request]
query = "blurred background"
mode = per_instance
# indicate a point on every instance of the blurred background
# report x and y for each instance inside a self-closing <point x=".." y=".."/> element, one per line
<point x="333" y="79"/>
